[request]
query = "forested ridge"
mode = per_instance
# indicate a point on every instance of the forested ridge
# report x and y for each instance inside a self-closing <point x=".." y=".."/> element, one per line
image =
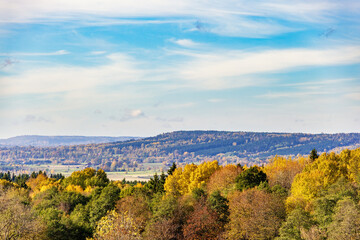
<point x="304" y="197"/>
<point x="181" y="147"/>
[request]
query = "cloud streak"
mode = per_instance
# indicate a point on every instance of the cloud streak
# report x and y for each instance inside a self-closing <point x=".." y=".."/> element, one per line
<point x="61" y="79"/>
<point x="219" y="69"/>
<point x="129" y="114"/>
<point x="222" y="70"/>
<point x="188" y="43"/>
<point x="30" y="54"/>
<point x="229" y="17"/>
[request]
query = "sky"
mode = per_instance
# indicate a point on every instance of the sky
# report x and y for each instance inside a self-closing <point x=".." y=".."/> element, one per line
<point x="145" y="67"/>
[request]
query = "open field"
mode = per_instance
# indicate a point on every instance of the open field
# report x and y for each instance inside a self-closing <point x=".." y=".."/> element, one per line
<point x="131" y="176"/>
<point x="144" y="172"/>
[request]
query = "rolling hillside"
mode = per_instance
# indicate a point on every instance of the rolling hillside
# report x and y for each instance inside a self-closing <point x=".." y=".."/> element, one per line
<point x="182" y="147"/>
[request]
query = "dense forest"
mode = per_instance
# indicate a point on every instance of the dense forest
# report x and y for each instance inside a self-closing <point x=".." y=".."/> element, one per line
<point x="313" y="197"/>
<point x="180" y="147"/>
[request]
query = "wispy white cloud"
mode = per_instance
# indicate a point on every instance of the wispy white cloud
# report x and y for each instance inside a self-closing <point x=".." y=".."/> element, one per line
<point x="59" y="79"/>
<point x="205" y="69"/>
<point x="229" y="17"/>
<point x="186" y="43"/>
<point x="128" y="114"/>
<point x="353" y="96"/>
<point x="232" y="68"/>
<point x="320" y="83"/>
<point x="60" y="52"/>
<point x="302" y="94"/>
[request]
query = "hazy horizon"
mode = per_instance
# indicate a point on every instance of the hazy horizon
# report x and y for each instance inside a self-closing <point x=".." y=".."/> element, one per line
<point x="120" y="68"/>
<point x="115" y="136"/>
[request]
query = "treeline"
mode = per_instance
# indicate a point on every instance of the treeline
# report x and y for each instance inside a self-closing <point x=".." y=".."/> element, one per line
<point x="181" y="147"/>
<point x="21" y="179"/>
<point x="314" y="197"/>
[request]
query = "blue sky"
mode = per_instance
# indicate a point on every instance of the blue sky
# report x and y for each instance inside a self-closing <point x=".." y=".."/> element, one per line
<point x="140" y="68"/>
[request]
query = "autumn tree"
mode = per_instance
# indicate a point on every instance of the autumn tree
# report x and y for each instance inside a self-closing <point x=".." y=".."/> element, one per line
<point x="281" y="171"/>
<point x="137" y="209"/>
<point x="170" y="213"/>
<point x="88" y="177"/>
<point x="40" y="183"/>
<point x="202" y="223"/>
<point x="223" y="179"/>
<point x="185" y="180"/>
<point x="17" y="220"/>
<point x="321" y="174"/>
<point x="346" y="221"/>
<point x="117" y="226"/>
<point x="254" y="214"/>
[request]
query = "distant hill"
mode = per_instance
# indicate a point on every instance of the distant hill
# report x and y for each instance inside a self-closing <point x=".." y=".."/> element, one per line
<point x="184" y="147"/>
<point x="52" y="141"/>
<point x="242" y="145"/>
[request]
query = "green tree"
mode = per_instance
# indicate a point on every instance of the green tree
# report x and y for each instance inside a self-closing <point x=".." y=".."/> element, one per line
<point x="101" y="204"/>
<point x="156" y="184"/>
<point x="313" y="155"/>
<point x="250" y="178"/>
<point x="171" y="169"/>
<point x="220" y="205"/>
<point x="295" y="222"/>
<point x="346" y="221"/>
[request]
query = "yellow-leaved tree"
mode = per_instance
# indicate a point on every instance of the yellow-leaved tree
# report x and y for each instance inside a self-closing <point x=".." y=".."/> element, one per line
<point x="185" y="180"/>
<point x="201" y="175"/>
<point x="281" y="171"/>
<point x="322" y="173"/>
<point x="40" y="184"/>
<point x="117" y="226"/>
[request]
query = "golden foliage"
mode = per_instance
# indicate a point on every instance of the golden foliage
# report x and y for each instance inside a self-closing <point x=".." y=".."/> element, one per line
<point x="322" y="173"/>
<point x="254" y="214"/>
<point x="223" y="179"/>
<point x="75" y="188"/>
<point x="183" y="181"/>
<point x="116" y="226"/>
<point x="281" y="170"/>
<point x="40" y="183"/>
<point x="7" y="184"/>
<point x="137" y="207"/>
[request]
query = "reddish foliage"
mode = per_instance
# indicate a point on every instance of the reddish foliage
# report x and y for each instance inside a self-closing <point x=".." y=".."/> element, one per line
<point x="202" y="224"/>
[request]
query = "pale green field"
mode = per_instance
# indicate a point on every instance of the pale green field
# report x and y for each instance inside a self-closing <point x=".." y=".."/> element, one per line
<point x="131" y="176"/>
<point x="141" y="175"/>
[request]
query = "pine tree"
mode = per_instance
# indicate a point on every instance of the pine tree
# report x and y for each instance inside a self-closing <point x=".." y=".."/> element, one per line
<point x="171" y="169"/>
<point x="313" y="155"/>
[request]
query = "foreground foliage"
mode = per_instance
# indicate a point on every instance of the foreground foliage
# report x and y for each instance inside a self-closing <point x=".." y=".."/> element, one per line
<point x="315" y="197"/>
